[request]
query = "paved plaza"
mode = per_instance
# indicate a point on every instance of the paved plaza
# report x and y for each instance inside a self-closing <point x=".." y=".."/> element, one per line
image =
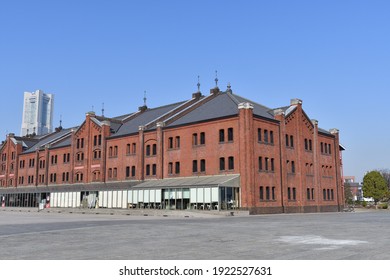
<point x="76" y="236"/>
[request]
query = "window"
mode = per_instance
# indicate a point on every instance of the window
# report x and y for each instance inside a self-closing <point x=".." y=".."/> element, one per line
<point x="154" y="149"/>
<point x="259" y="134"/>
<point x="306" y="145"/>
<point x="272" y="164"/>
<point x="54" y="159"/>
<point x="96" y="176"/>
<point x="177" y="167"/>
<point x="97" y="140"/>
<point x="154" y="169"/>
<point x="22" y="163"/>
<point x="97" y="154"/>
<point x="115" y="151"/>
<point x="170" y="168"/>
<point x="133" y="171"/>
<point x="80" y="143"/>
<point x="292" y="167"/>
<point x="53" y="178"/>
<point x="66" y="158"/>
<point x="148" y="170"/>
<point x="326" y="148"/>
<point x="147" y="150"/>
<point x="109" y="173"/>
<point x="195" y="139"/>
<point x="324" y="194"/>
<point x="79" y="177"/>
<point x="310" y="145"/>
<point x="270" y="193"/>
<point x="266" y="136"/>
<point x="266" y="164"/>
<point x="177" y="142"/>
<point x="308" y="194"/>
<point x="260" y="163"/>
<point x="203" y="165"/>
<point x="291" y="141"/>
<point x="80" y="156"/>
<point x="292" y="193"/>
<point x="230" y="134"/>
<point x="127" y="171"/>
<point x="287" y="143"/>
<point x="271" y="135"/>
<point x="65" y="176"/>
<point x="128" y="149"/>
<point x="194" y="166"/>
<point x="115" y="172"/>
<point x="221" y="135"/>
<point x="202" y="138"/>
<point x="222" y="164"/>
<point x="170" y="143"/>
<point x="42" y="164"/>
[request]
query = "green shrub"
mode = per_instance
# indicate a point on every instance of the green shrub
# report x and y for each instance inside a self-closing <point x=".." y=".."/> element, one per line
<point x="364" y="203"/>
<point x="383" y="206"/>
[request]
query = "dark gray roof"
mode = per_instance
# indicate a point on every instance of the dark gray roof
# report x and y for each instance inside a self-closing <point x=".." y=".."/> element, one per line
<point x="133" y="124"/>
<point x="324" y="131"/>
<point x="222" y="105"/>
<point x="258" y="109"/>
<point x="67" y="141"/>
<point x="49" y="139"/>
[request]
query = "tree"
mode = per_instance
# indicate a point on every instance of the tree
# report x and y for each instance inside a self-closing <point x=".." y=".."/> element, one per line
<point x="348" y="193"/>
<point x="386" y="174"/>
<point x="375" y="186"/>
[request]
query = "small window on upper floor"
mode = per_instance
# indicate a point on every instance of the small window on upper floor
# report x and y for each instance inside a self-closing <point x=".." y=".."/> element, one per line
<point x="221" y="135"/>
<point x="202" y="138"/>
<point x="230" y="134"/>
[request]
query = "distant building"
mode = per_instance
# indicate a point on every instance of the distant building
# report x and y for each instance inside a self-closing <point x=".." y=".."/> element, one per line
<point x="356" y="187"/>
<point x="37" y="113"/>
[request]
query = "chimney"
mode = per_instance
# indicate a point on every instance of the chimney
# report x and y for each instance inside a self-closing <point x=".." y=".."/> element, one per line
<point x="296" y="101"/>
<point x="143" y="108"/>
<point x="214" y="90"/>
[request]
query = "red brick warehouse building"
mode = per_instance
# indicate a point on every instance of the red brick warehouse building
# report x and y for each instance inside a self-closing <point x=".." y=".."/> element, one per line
<point x="214" y="152"/>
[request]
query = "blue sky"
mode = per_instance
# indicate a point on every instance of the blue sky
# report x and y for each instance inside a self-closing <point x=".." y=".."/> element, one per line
<point x="334" y="55"/>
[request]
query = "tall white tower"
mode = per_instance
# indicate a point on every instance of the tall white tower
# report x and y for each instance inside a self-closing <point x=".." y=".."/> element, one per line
<point x="37" y="113"/>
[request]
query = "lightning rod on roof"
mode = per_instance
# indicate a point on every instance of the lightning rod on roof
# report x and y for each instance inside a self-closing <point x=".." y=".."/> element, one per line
<point x="198" y="84"/>
<point x="216" y="78"/>
<point x="145" y="98"/>
<point x="103" y="109"/>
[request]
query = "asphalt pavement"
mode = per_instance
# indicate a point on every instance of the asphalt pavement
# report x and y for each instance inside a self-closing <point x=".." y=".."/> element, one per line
<point x="71" y="235"/>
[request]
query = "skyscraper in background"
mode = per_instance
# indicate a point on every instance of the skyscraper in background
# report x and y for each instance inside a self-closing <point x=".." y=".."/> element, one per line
<point x="37" y="113"/>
